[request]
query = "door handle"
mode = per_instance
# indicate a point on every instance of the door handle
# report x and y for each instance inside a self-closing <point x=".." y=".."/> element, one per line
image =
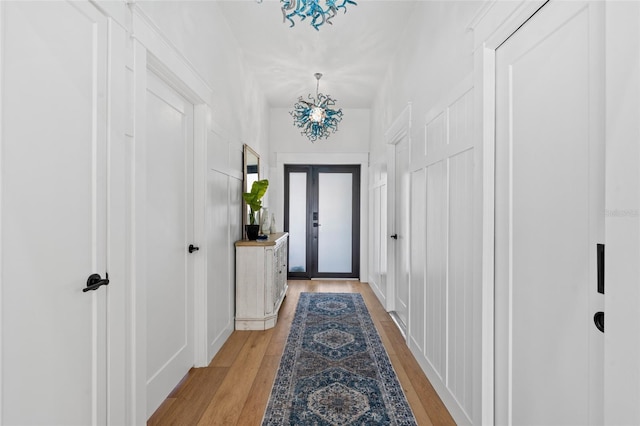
<point x="394" y="236"/>
<point x="193" y="248"/>
<point x="315" y="225"/>
<point x="598" y="319"/>
<point x="600" y="259"/>
<point x="94" y="281"/>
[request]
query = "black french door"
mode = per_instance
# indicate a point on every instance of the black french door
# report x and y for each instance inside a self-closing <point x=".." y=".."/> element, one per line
<point x="322" y="216"/>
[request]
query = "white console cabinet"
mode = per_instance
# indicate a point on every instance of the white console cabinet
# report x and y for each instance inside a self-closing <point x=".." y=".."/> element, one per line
<point x="261" y="281"/>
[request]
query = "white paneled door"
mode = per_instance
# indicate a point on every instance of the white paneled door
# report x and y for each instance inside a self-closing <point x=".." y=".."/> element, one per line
<point x="169" y="232"/>
<point x="54" y="213"/>
<point x="550" y="218"/>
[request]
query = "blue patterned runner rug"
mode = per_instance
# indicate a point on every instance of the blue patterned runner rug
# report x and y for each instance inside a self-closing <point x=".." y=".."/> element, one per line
<point x="334" y="369"/>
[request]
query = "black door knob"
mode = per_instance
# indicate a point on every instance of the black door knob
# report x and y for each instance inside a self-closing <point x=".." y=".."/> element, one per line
<point x="193" y="248"/>
<point x="394" y="236"/>
<point x="95" y="281"/>
<point x="598" y="319"/>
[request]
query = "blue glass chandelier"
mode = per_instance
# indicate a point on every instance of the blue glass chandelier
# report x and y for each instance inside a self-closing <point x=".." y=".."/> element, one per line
<point x="316" y="119"/>
<point x="320" y="11"/>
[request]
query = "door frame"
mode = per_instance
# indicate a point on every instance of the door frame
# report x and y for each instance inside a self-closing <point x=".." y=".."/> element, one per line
<point x="108" y="302"/>
<point x="277" y="199"/>
<point x="622" y="214"/>
<point x="311" y="258"/>
<point x="492" y="25"/>
<point x="553" y="15"/>
<point x="152" y="53"/>
<point x="400" y="129"/>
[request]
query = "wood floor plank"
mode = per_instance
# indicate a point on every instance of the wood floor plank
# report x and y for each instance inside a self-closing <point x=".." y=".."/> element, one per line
<point x="438" y="413"/>
<point x="225" y="406"/>
<point x="254" y="408"/>
<point x="230" y="349"/>
<point x="235" y="388"/>
<point x="194" y="396"/>
<point x="281" y="330"/>
<point x="159" y="418"/>
<point x="420" y="413"/>
<point x="386" y="336"/>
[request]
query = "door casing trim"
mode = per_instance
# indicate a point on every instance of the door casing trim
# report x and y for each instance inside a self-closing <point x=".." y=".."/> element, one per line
<point x="362" y="158"/>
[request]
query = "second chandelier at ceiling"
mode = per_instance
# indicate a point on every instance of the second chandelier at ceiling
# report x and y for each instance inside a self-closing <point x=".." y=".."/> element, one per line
<point x="320" y="11"/>
<point x="315" y="116"/>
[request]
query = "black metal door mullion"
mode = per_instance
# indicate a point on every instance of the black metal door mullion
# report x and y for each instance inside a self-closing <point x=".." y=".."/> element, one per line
<point x="312" y="236"/>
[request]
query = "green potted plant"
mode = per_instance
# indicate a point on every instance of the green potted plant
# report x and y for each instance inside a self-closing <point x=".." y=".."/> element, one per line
<point x="254" y="201"/>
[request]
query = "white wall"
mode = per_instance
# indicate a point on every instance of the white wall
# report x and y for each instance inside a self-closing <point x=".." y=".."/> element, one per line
<point x="238" y="114"/>
<point x="193" y="42"/>
<point x="379" y="235"/>
<point x="436" y="55"/>
<point x="445" y="45"/>
<point x="198" y="30"/>
<point x="432" y="71"/>
<point x="349" y="145"/>
<point x="622" y="214"/>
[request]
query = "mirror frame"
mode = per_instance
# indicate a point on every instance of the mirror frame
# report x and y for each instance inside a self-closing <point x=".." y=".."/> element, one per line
<point x="246" y="154"/>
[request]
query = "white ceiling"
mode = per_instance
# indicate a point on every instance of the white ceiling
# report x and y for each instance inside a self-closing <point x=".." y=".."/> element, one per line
<point x="353" y="53"/>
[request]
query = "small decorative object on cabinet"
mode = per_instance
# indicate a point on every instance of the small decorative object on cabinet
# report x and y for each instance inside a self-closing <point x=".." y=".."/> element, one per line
<point x="264" y="221"/>
<point x="261" y="281"/>
<point x="272" y="228"/>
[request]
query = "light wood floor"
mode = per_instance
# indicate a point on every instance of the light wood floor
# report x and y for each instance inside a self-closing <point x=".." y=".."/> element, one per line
<point x="234" y="388"/>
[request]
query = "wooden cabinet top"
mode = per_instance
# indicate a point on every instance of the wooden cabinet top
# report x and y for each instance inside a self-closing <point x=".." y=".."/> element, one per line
<point x="271" y="241"/>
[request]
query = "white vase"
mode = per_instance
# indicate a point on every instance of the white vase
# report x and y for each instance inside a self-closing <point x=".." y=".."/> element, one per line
<point x="264" y="230"/>
<point x="272" y="228"/>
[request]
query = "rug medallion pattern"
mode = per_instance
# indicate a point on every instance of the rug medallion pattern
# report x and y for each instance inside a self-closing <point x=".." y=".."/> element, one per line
<point x="334" y="369"/>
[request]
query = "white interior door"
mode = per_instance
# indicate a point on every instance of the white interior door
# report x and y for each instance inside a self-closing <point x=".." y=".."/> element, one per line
<point x="53" y="224"/>
<point x="169" y="231"/>
<point x="401" y="234"/>
<point x="549" y="218"/>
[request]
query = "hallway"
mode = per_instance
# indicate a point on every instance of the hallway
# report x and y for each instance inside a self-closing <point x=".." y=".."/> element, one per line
<point x="497" y="157"/>
<point x="234" y="388"/>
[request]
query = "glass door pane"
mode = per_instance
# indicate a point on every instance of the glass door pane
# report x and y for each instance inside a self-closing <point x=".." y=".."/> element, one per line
<point x="297" y="222"/>
<point x="335" y="218"/>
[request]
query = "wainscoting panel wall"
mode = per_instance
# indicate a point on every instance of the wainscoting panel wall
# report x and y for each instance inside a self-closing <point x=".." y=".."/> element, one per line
<point x="441" y="326"/>
<point x="436" y="264"/>
<point x="418" y="317"/>
<point x="435" y="136"/>
<point x="460" y="274"/>
<point x="220" y="285"/>
<point x="224" y="207"/>
<point x="378" y="230"/>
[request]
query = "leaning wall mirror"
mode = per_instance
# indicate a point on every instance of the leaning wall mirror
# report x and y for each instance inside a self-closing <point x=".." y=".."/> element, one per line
<point x="251" y="174"/>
